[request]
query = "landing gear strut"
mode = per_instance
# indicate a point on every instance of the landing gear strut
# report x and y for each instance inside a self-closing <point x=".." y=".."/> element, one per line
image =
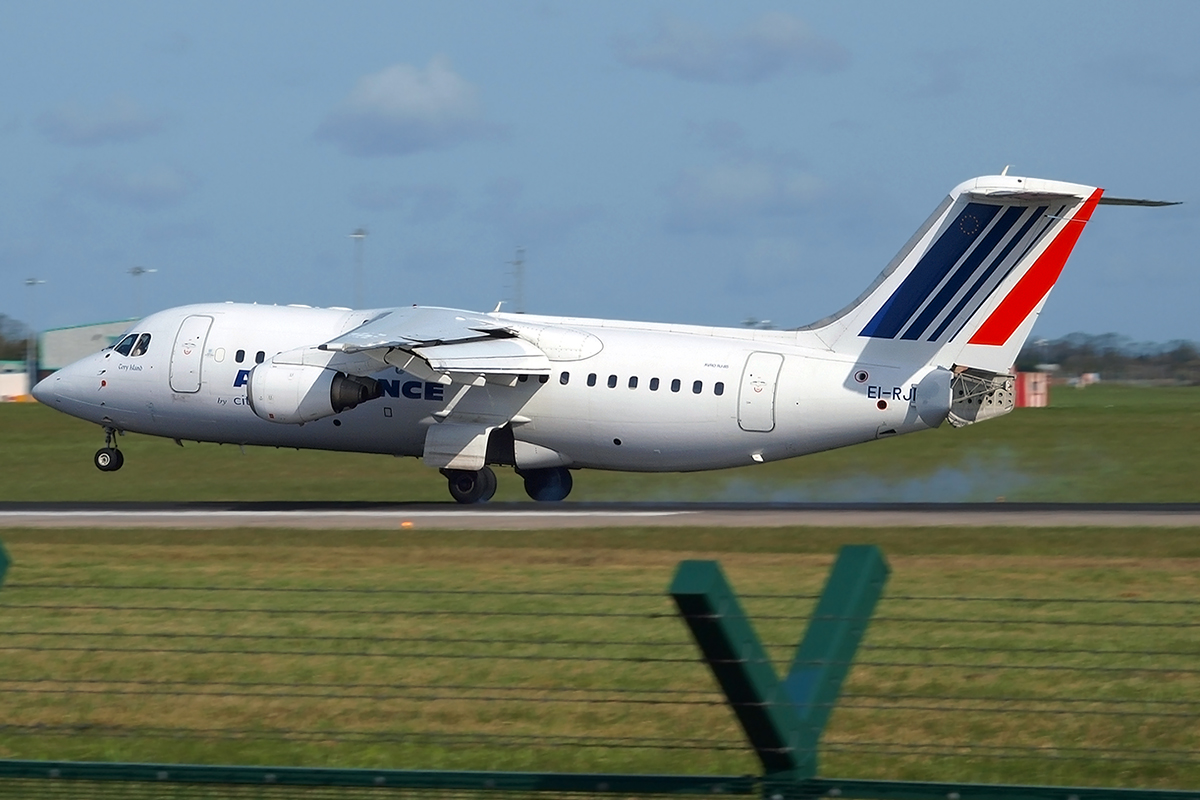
<point x="109" y="458"/>
<point x="470" y="486"/>
<point x="547" y="485"/>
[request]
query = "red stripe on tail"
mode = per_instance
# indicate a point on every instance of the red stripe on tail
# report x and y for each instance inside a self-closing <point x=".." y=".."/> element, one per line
<point x="1035" y="284"/>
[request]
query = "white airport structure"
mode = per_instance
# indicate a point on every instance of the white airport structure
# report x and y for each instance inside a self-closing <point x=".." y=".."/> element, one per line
<point x="57" y="348"/>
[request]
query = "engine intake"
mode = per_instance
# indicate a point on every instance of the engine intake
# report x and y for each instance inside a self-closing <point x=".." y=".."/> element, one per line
<point x="298" y="393"/>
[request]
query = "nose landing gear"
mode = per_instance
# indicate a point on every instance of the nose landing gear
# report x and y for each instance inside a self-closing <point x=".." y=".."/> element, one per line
<point x="109" y="458"/>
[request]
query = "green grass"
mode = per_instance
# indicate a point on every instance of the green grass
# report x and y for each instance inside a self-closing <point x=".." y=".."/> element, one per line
<point x="92" y="578"/>
<point x="1100" y="444"/>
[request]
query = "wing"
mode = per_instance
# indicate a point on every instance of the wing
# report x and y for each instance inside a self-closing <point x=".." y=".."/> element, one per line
<point x="451" y="347"/>
<point x="457" y="345"/>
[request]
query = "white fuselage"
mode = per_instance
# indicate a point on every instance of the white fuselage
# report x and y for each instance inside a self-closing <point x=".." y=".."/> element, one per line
<point x="663" y="397"/>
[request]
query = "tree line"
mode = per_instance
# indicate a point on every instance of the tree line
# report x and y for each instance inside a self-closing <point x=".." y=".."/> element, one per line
<point x="1115" y="358"/>
<point x="13" y="339"/>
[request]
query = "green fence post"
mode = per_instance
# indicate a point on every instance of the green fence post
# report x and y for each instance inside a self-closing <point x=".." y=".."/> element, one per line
<point x="784" y="719"/>
<point x="739" y="663"/>
<point x="834" y="633"/>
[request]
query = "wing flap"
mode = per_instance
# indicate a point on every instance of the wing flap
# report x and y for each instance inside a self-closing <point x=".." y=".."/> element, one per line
<point x="488" y="356"/>
<point x="419" y="326"/>
<point x="449" y="445"/>
<point x="446" y="341"/>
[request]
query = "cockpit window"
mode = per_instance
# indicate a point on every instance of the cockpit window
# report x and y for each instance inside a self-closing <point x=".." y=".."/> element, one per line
<point x="126" y="344"/>
<point x="143" y="343"/>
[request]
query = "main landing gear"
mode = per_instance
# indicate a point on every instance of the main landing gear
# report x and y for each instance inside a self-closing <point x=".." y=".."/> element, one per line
<point x="547" y="485"/>
<point x="471" y="486"/>
<point x="478" y="486"/>
<point x="109" y="458"/>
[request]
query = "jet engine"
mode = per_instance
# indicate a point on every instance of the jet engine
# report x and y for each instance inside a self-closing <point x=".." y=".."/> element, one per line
<point x="295" y="394"/>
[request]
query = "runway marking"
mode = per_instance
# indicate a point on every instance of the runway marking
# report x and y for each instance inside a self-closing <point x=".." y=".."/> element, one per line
<point x="338" y="514"/>
<point x="512" y="519"/>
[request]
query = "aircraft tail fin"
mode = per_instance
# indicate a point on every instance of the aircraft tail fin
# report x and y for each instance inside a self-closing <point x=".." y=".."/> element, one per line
<point x="967" y="288"/>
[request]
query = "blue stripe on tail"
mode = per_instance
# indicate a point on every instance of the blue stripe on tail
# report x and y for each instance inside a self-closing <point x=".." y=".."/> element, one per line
<point x="1034" y="218"/>
<point x="937" y="262"/>
<point x="965" y="270"/>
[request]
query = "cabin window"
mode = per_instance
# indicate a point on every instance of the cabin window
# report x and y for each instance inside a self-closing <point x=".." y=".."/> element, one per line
<point x="675" y="384"/>
<point x="239" y="356"/>
<point x="564" y="378"/>
<point x="697" y="387"/>
<point x="654" y="384"/>
<point x="143" y="344"/>
<point x="592" y="379"/>
<point x="612" y="381"/>
<point x="543" y="378"/>
<point x="633" y="381"/>
<point x="126" y="344"/>
<point x="522" y="378"/>
<point x="719" y="389"/>
<point x="260" y="357"/>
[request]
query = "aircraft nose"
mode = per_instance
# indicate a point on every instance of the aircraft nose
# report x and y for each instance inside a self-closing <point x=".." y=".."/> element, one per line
<point x="43" y="391"/>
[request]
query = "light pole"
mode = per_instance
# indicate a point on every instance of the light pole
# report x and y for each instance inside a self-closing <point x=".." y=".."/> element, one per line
<point x="518" y="265"/>
<point x="359" y="235"/>
<point x="31" y="340"/>
<point x="137" y="272"/>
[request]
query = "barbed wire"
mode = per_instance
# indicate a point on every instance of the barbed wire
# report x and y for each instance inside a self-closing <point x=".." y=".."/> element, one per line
<point x="1131" y="601"/>
<point x="379" y="737"/>
<point x="1056" y="651"/>
<point x="635" y="639"/>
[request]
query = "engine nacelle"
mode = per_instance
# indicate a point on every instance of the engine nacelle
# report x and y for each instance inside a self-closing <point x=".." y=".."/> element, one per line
<point x="297" y="393"/>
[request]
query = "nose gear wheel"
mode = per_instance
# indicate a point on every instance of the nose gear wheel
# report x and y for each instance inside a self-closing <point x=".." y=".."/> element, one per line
<point x="109" y="458"/>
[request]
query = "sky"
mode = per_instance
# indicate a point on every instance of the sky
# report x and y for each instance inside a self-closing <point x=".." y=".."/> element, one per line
<point x="694" y="162"/>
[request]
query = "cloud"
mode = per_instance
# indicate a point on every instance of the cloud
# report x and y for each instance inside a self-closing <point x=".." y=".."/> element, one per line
<point x="403" y="109"/>
<point x="425" y="203"/>
<point x="1145" y="71"/>
<point x="506" y="208"/>
<point x="119" y="120"/>
<point x="941" y="72"/>
<point x="736" y="193"/>
<point x="149" y="190"/>
<point x="771" y="45"/>
<point x="179" y="231"/>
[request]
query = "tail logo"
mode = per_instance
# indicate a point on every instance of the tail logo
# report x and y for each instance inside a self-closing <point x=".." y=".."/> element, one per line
<point x="957" y="274"/>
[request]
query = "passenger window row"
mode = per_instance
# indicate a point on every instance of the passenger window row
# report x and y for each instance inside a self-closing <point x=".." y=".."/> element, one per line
<point x="259" y="357"/>
<point x="676" y="383"/>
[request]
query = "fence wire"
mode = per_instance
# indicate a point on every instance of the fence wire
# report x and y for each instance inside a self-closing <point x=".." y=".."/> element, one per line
<point x="989" y="689"/>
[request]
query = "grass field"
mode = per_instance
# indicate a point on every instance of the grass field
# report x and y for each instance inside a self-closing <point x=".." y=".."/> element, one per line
<point x="560" y="651"/>
<point x="1059" y="656"/>
<point x="1100" y="444"/>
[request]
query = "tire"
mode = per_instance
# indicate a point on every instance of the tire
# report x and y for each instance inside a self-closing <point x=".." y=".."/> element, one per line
<point x="470" y="486"/>
<point x="488" y="478"/>
<point x="548" y="485"/>
<point x="108" y="459"/>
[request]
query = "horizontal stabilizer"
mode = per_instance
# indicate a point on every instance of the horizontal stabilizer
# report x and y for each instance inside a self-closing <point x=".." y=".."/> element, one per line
<point x="1132" y="201"/>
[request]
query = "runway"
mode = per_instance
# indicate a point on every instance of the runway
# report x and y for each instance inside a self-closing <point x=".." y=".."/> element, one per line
<point x="535" y="516"/>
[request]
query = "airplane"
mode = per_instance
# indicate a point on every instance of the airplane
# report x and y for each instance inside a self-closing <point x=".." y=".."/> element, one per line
<point x="932" y="340"/>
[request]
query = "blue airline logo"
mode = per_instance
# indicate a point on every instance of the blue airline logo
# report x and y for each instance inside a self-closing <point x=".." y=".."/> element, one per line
<point x="968" y="261"/>
<point x="413" y="390"/>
